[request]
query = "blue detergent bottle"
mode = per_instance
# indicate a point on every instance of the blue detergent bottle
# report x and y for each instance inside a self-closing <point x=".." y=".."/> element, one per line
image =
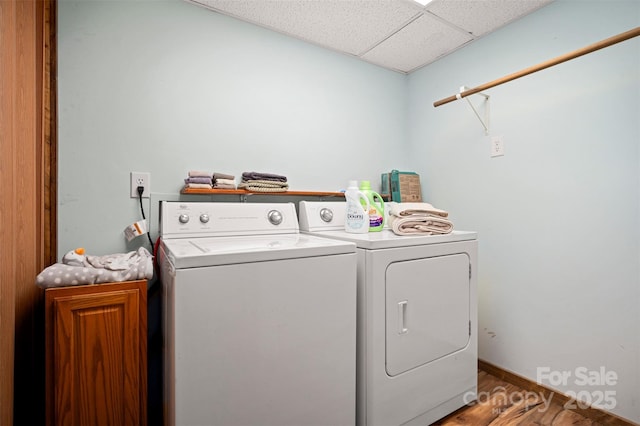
<point x="376" y="207"/>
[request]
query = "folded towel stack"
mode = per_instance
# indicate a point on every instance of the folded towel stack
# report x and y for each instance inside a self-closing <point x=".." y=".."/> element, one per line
<point x="263" y="182"/>
<point x="199" y="179"/>
<point x="419" y="218"/>
<point x="224" y="181"/>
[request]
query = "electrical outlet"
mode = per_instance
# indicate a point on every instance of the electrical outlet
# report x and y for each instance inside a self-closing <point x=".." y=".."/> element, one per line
<point x="497" y="146"/>
<point x="140" y="179"/>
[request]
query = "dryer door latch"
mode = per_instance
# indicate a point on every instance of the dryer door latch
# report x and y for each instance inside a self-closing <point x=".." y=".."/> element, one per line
<point x="402" y="317"/>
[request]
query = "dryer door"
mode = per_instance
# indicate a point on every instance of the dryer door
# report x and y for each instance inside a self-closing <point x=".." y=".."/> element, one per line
<point x="427" y="310"/>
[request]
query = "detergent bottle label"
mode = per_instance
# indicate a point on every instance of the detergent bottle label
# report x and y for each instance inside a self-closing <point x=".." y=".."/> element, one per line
<point x="356" y="219"/>
<point x="375" y="220"/>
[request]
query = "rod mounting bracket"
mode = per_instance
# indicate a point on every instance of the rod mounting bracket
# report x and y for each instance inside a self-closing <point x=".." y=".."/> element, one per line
<point x="485" y="121"/>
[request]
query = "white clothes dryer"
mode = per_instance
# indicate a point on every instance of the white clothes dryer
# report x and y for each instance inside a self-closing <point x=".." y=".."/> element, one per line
<point x="259" y="320"/>
<point x="417" y="319"/>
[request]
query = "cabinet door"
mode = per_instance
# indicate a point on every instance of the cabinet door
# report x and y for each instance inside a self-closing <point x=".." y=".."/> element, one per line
<point x="96" y="343"/>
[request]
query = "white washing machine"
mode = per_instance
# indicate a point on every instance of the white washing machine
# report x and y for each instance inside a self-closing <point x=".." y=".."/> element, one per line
<point x="259" y="320"/>
<point x="417" y="326"/>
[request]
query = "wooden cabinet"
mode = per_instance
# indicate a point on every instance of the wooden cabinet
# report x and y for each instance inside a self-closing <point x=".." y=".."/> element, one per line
<point x="96" y="354"/>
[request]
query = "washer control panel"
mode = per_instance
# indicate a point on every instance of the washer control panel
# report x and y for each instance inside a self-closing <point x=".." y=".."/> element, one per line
<point x="208" y="219"/>
<point x="322" y="216"/>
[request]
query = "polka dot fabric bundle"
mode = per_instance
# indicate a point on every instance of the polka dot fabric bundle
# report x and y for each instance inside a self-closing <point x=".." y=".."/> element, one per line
<point x="135" y="265"/>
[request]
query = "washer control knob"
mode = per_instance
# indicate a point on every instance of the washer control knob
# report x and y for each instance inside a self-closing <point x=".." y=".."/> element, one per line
<point x="275" y="217"/>
<point x="326" y="215"/>
<point x="183" y="218"/>
<point x="204" y="218"/>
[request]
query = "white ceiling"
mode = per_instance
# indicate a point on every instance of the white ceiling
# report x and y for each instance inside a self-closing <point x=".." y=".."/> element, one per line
<point x="400" y="35"/>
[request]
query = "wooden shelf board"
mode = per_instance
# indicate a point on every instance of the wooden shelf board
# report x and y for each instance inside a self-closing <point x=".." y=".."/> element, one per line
<point x="244" y="192"/>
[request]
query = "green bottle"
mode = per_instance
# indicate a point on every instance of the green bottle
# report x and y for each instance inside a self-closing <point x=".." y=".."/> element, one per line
<point x="376" y="207"/>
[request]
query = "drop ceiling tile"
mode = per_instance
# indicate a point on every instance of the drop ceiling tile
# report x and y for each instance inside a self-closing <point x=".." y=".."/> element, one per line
<point x="482" y="17"/>
<point x="419" y="43"/>
<point x="349" y="26"/>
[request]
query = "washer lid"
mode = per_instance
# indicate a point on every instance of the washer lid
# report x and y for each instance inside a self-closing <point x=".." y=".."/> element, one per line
<point x="213" y="251"/>
<point x="387" y="239"/>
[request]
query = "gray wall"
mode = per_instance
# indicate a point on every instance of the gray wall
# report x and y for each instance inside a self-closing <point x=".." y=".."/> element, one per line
<point x="165" y="87"/>
<point x="558" y="215"/>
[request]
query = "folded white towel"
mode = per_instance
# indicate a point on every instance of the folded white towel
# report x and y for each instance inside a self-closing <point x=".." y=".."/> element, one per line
<point x="197" y="186"/>
<point x="420" y="224"/>
<point x="406" y="209"/>
<point x="223" y="186"/>
<point x="225" y="181"/>
<point x="200" y="173"/>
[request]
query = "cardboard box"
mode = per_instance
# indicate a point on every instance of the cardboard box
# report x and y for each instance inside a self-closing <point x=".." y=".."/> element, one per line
<point x="402" y="187"/>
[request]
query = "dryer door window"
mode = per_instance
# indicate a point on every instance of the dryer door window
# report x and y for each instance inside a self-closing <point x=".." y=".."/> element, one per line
<point x="427" y="310"/>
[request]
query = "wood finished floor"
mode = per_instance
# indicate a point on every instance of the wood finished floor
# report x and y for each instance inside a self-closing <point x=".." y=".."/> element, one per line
<point x="503" y="404"/>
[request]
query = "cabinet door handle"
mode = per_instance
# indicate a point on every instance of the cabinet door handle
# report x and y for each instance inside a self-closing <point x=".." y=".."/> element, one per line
<point x="402" y="317"/>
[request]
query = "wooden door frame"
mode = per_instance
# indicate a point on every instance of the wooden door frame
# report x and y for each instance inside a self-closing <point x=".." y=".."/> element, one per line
<point x="28" y="164"/>
<point x="49" y="141"/>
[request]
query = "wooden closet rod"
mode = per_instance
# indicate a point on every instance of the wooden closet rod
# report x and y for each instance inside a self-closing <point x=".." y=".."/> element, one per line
<point x="560" y="59"/>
